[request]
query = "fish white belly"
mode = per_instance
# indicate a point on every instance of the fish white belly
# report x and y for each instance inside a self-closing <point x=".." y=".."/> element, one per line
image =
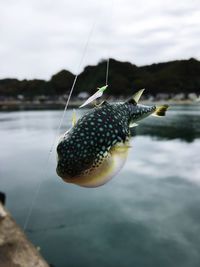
<point x="102" y="172"/>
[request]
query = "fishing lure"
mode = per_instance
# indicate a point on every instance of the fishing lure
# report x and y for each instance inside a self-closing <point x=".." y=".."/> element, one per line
<point x="96" y="147"/>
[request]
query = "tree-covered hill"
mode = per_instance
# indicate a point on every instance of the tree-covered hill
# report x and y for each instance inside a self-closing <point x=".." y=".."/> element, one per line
<point x="180" y="76"/>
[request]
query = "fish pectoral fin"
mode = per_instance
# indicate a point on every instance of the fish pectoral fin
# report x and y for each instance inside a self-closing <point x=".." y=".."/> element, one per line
<point x="160" y="111"/>
<point x="73" y="118"/>
<point x="121" y="147"/>
<point x="136" y="97"/>
<point x="131" y="125"/>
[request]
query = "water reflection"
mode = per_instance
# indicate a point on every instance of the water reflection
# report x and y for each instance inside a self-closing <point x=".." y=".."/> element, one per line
<point x="148" y="215"/>
<point x="182" y="122"/>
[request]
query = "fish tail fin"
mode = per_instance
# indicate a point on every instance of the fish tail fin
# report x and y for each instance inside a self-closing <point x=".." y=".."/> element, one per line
<point x="160" y="111"/>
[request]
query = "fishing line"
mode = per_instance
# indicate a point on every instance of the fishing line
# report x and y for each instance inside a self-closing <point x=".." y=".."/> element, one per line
<point x="58" y="129"/>
<point x="108" y="56"/>
<point x="73" y="85"/>
<point x="62" y="117"/>
<point x="107" y="70"/>
<point x="30" y="210"/>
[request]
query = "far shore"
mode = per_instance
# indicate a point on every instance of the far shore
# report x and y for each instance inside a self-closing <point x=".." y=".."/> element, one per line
<point x="16" y="105"/>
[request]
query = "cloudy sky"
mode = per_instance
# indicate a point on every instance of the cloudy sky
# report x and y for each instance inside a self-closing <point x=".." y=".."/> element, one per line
<point x="40" y="37"/>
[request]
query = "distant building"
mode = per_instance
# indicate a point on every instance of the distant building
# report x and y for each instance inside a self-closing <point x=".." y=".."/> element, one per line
<point x="162" y="96"/>
<point x="150" y="98"/>
<point x="83" y="95"/>
<point x="20" y="97"/>
<point x="180" y="96"/>
<point x="192" y="96"/>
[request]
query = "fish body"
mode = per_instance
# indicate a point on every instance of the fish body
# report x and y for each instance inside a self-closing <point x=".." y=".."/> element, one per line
<point x="96" y="147"/>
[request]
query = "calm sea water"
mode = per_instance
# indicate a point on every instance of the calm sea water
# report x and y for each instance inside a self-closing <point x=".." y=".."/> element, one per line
<point x="148" y="215"/>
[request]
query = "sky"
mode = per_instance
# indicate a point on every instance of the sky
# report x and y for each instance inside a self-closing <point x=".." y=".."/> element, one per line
<point x="38" y="38"/>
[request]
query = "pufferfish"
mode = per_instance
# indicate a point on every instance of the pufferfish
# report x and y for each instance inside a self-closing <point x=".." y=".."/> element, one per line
<point x="96" y="147"/>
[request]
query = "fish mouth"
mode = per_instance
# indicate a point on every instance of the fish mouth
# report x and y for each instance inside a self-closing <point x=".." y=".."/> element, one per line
<point x="72" y="172"/>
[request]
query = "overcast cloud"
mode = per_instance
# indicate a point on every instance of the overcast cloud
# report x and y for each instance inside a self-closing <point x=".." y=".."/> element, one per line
<point x="41" y="37"/>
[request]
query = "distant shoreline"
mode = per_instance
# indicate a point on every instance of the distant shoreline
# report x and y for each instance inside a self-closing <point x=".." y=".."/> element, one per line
<point x="177" y="79"/>
<point x="20" y="106"/>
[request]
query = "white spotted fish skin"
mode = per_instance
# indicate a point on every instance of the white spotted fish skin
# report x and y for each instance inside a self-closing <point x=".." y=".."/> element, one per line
<point x="94" y="150"/>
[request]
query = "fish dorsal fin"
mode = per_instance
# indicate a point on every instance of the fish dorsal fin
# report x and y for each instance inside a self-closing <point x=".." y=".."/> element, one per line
<point x="73" y="118"/>
<point x="136" y="97"/>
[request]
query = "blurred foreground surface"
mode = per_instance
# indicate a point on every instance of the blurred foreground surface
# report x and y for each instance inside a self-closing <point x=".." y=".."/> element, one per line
<point x="148" y="215"/>
<point x="15" y="249"/>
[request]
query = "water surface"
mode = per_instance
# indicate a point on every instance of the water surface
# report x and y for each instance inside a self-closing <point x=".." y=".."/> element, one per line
<point x="148" y="215"/>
